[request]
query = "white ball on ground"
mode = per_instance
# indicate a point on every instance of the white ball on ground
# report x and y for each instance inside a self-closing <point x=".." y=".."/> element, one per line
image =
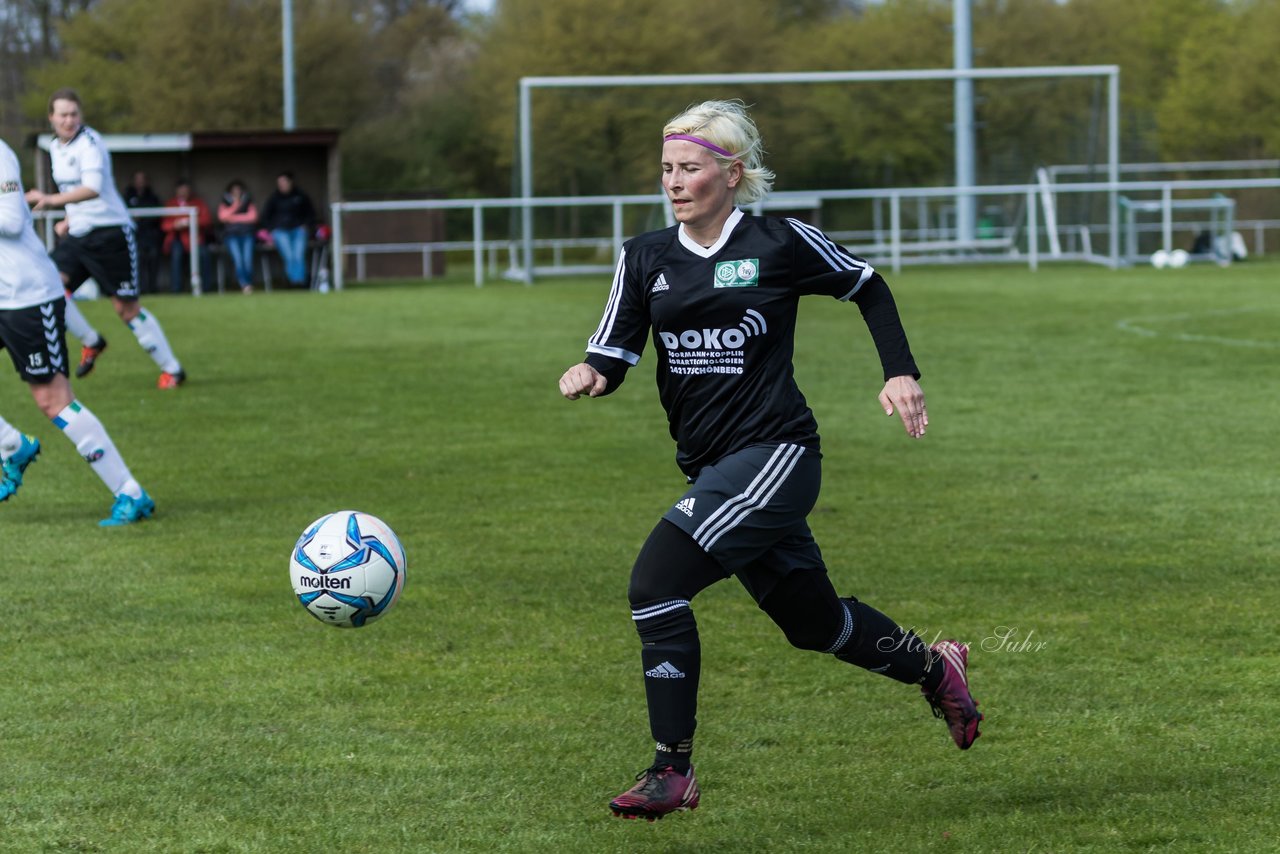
<point x="347" y="568"/>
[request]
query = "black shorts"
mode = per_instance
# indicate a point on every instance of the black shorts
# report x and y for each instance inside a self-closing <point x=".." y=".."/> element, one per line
<point x="36" y="338"/>
<point x="107" y="255"/>
<point x="748" y="512"/>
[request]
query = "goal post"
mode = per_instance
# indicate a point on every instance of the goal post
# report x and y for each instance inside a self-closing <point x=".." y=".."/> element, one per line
<point x="528" y="84"/>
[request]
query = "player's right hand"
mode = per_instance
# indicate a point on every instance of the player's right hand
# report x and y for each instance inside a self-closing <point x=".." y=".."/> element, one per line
<point x="582" y="379"/>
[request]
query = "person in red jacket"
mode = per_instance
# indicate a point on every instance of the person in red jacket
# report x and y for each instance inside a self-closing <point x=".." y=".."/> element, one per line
<point x="177" y="234"/>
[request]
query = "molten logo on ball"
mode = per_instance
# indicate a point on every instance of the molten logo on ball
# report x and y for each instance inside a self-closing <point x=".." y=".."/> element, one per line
<point x="347" y="568"/>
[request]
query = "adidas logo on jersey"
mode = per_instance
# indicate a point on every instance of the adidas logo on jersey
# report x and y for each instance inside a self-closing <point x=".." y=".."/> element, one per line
<point x="665" y="670"/>
<point x="660" y="284"/>
<point x="685" y="506"/>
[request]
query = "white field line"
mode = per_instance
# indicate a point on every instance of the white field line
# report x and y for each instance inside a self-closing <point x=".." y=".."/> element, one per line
<point x="1138" y="326"/>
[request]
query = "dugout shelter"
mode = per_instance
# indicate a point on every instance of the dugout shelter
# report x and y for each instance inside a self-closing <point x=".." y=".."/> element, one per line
<point x="211" y="159"/>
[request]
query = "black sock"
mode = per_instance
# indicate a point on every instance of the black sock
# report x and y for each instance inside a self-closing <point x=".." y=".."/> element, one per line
<point x="933" y="676"/>
<point x="679" y="756"/>
<point x="669" y="571"/>
<point x="878" y="644"/>
<point x="671" y="659"/>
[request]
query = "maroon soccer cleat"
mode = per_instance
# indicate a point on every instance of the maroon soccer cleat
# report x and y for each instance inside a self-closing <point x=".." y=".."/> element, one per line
<point x="662" y="789"/>
<point x="952" y="701"/>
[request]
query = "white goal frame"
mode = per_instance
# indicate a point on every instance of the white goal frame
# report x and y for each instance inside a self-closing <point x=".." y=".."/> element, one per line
<point x="528" y="84"/>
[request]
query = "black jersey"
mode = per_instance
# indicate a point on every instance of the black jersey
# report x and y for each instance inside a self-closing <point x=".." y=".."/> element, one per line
<point x="723" y="324"/>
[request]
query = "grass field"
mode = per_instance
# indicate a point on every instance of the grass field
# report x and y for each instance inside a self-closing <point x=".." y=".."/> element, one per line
<point x="1098" y="485"/>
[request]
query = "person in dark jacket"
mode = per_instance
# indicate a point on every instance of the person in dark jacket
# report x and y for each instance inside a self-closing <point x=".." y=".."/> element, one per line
<point x="140" y="195"/>
<point x="288" y="217"/>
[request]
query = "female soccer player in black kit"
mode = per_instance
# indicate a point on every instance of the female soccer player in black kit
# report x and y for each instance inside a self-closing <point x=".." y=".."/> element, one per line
<point x="719" y="291"/>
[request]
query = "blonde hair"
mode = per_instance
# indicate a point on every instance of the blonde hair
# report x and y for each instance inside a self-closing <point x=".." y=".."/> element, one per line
<point x="727" y="126"/>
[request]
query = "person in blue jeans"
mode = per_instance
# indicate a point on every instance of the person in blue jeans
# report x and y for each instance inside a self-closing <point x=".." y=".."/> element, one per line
<point x="288" y="217"/>
<point x="239" y="217"/>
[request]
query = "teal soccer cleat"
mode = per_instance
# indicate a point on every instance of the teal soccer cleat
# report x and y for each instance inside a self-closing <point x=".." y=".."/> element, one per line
<point x="127" y="510"/>
<point x="17" y="464"/>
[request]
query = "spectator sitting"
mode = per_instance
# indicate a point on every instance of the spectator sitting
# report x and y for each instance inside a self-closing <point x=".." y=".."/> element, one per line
<point x="239" y="217"/>
<point x="289" y="218"/>
<point x="140" y="195"/>
<point x="177" y="241"/>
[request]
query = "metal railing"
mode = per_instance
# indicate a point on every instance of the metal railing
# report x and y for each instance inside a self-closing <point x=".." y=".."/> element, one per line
<point x="478" y="207"/>
<point x="49" y="220"/>
<point x="900" y="245"/>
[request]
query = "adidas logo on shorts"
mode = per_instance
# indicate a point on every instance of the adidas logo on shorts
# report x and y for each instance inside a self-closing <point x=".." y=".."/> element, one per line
<point x="685" y="506"/>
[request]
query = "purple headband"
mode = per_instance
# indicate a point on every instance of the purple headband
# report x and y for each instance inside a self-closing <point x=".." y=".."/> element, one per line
<point x="699" y="141"/>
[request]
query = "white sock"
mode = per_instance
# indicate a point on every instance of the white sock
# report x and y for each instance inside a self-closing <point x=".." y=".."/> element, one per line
<point x="149" y="334"/>
<point x="10" y="439"/>
<point x="86" y="432"/>
<point x="79" y="326"/>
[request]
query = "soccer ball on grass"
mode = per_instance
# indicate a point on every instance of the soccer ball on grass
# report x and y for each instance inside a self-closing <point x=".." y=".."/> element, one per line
<point x="347" y="568"/>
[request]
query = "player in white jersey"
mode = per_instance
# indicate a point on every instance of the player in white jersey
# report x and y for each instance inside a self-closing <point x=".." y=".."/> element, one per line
<point x="32" y="330"/>
<point x="98" y="236"/>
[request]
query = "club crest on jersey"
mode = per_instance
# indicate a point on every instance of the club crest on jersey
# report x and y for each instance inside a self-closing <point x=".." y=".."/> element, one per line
<point x="738" y="274"/>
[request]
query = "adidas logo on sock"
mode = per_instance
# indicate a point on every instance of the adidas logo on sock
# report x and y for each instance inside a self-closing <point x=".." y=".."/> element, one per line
<point x="685" y="506"/>
<point x="665" y="670"/>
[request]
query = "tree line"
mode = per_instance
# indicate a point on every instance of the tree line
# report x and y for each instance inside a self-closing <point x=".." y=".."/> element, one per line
<point x="425" y="94"/>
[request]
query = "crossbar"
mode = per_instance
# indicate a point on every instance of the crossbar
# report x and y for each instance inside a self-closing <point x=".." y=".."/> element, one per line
<point x="528" y="84"/>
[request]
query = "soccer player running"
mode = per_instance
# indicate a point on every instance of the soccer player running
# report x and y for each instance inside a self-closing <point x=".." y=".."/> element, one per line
<point x="720" y="292"/>
<point x="32" y="330"/>
<point x="98" y="237"/>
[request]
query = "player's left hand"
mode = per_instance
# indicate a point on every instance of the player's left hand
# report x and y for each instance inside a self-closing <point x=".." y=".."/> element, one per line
<point x="61" y="227"/>
<point x="904" y="394"/>
<point x="35" y="198"/>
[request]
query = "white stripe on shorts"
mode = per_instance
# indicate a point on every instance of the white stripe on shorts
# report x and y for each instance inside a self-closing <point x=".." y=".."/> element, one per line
<point x="730" y="514"/>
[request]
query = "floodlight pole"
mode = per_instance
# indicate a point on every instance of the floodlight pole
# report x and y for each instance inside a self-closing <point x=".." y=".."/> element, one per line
<point x="286" y="50"/>
<point x="966" y="171"/>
